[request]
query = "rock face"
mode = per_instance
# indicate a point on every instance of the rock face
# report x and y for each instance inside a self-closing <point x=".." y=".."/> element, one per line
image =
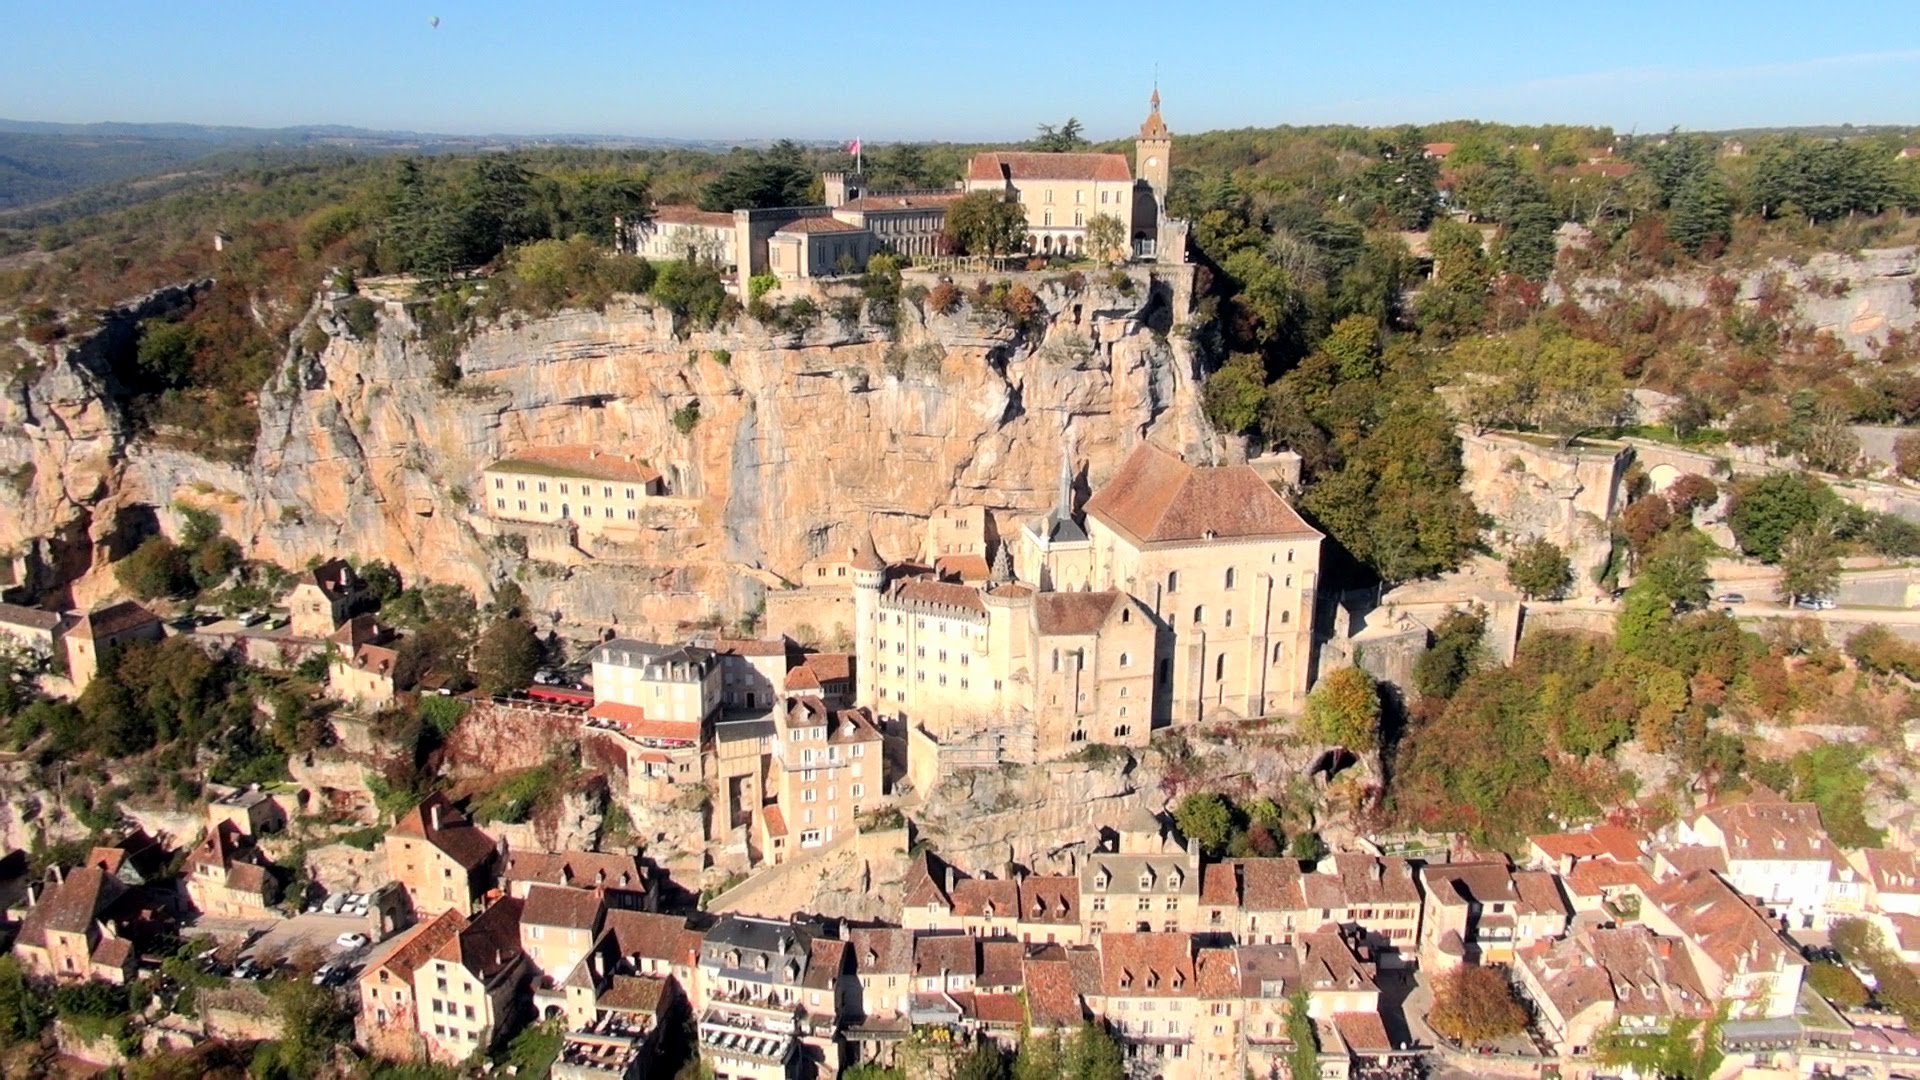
<point x="1859" y="298"/>
<point x="1538" y="492"/>
<point x="801" y="439"/>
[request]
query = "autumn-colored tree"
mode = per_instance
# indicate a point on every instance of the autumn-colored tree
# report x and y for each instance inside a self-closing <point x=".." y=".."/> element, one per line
<point x="1906" y="455"/>
<point x="1344" y="710"/>
<point x="1690" y="492"/>
<point x="1475" y="1004"/>
<point x="1539" y="569"/>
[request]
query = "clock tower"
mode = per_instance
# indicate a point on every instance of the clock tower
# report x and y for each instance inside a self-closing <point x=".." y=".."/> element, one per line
<point x="1150" y="153"/>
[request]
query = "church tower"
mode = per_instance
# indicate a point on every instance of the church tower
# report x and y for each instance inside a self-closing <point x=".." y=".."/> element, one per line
<point x="1151" y="154"/>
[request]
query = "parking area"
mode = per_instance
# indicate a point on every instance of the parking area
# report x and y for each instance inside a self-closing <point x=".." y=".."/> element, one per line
<point x="304" y="933"/>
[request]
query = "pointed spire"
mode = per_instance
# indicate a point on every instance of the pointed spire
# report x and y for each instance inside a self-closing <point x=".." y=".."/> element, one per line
<point x="865" y="555"/>
<point x="1063" y="501"/>
<point x="1002" y="565"/>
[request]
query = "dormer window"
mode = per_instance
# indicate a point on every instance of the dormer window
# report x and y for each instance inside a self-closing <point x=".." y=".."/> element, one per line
<point x="1100" y="881"/>
<point x="1173" y="880"/>
<point x="1153" y="980"/>
<point x="1126" y="979"/>
<point x="1146" y="879"/>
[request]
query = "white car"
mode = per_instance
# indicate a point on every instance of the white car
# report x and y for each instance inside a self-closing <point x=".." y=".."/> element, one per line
<point x="351" y="940"/>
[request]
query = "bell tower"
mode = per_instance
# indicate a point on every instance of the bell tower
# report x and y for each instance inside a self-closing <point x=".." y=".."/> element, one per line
<point x="1151" y="152"/>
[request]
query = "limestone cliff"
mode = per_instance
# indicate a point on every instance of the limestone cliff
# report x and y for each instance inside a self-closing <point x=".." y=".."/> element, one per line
<point x="802" y="439"/>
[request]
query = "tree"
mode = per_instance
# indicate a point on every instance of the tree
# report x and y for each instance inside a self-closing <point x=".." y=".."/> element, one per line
<point x="981" y="1061"/>
<point x="1475" y="1004"/>
<point x="165" y="355"/>
<point x="23" y="1012"/>
<point x="1765" y="510"/>
<point x="1906" y="455"/>
<point x="1527" y="243"/>
<point x="1344" y="710"/>
<point x="1542" y="377"/>
<point x="1206" y="818"/>
<point x="507" y="656"/>
<point x="1454" y="301"/>
<point x="1539" y="569"/>
<point x="1092" y="1053"/>
<point x="983" y="223"/>
<point x="904" y="165"/>
<point x="1702" y="215"/>
<point x="1809" y="561"/>
<point x="1676" y="569"/>
<point x="758" y="181"/>
<point x="1457" y="651"/>
<point x="1838" y="985"/>
<point x="157" y="568"/>
<point x="1106" y="238"/>
<point x="1060" y="139"/>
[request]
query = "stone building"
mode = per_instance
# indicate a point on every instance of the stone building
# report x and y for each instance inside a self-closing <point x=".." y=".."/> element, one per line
<point x="470" y="991"/>
<point x="228" y="877"/>
<point x="388" y="1023"/>
<point x="594" y="491"/>
<point x="30" y="629"/>
<point x="681" y="684"/>
<point x="324" y="597"/>
<point x="680" y="234"/>
<point x="72" y="928"/>
<point x="442" y="859"/>
<point x="364" y="668"/>
<point x="94" y="637"/>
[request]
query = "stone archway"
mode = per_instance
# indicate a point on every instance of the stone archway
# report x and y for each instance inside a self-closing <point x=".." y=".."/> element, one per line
<point x="1662" y="476"/>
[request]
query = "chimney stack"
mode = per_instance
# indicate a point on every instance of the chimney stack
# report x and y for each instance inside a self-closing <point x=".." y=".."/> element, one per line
<point x="433" y="816"/>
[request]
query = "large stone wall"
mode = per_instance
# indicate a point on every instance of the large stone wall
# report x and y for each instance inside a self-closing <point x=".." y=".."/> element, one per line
<point x="1536" y="491"/>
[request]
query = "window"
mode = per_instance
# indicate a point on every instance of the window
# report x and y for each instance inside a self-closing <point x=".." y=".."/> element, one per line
<point x="1103" y="197"/>
<point x="498" y="483"/>
<point x="1286" y="617"/>
<point x="1199" y="614"/>
<point x="519" y="485"/>
<point x="1078" y="217"/>
<point x="1229" y="577"/>
<point x="543" y="487"/>
<point x="1126" y="660"/>
<point x="523" y="504"/>
<point x="563" y="488"/>
<point x="500" y="504"/>
<point x="1228" y="617"/>
<point x="629" y="493"/>
<point x="1173" y="581"/>
<point x="543" y="508"/>
<point x="1277" y="649"/>
<point x="1220" y="666"/>
<point x="1079" y="196"/>
<point x="632" y="514"/>
<point x="1056" y="660"/>
<point x="1121" y="731"/>
<point x="607" y="491"/>
<point x="1046" y="218"/>
<point x="1049" y="195"/>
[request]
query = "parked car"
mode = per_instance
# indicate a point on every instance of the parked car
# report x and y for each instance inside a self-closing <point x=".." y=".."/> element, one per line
<point x="1730" y="598"/>
<point x="334" y="903"/>
<point x="1815" y="603"/>
<point x="351" y="940"/>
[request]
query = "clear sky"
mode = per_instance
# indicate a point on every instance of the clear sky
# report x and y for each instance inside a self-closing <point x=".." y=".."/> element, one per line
<point x="986" y="71"/>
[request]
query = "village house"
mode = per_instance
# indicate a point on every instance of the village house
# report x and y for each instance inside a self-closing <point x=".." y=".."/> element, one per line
<point x="1779" y="852"/>
<point x="1151" y="999"/>
<point x="753" y="674"/>
<point x="1892" y="880"/>
<point x="73" y="929"/>
<point x="363" y="671"/>
<point x="596" y="492"/>
<point x="752" y="976"/>
<point x="1480" y="913"/>
<point x="30" y="630"/>
<point x="388" y="1024"/>
<point x="324" y="597"/>
<point x="227" y="876"/>
<point x="473" y="985"/>
<point x="882" y="982"/>
<point x="1148" y="884"/>
<point x="624" y="874"/>
<point x="1378" y="894"/>
<point x="1599" y="977"/>
<point x="825" y="766"/>
<point x="558" y="927"/>
<point x="1736" y="950"/>
<point x="92" y="639"/>
<point x="249" y="810"/>
<point x="442" y="859"/>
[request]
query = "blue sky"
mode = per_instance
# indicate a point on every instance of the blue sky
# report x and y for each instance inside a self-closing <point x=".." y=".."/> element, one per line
<point x="958" y="71"/>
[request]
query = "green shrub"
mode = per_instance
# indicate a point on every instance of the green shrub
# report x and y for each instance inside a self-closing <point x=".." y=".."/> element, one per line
<point x="686" y="417"/>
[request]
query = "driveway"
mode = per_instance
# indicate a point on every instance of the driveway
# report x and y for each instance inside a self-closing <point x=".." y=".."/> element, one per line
<point x="317" y="931"/>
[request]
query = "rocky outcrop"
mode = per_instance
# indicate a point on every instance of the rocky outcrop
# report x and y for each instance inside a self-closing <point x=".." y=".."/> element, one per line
<point x="801" y="439"/>
<point x="1537" y="492"/>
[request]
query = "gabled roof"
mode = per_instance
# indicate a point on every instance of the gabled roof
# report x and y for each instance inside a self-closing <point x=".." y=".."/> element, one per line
<point x="580" y="869"/>
<point x="949" y="954"/>
<point x="412" y="948"/>
<point x="32" y="618"/>
<point x="1047" y="899"/>
<point x="1722" y="923"/>
<point x="1075" y="614"/>
<point x="1773" y="830"/>
<point x="981" y="897"/>
<point x="1629" y="969"/>
<point x="335" y="577"/>
<point x="637" y="994"/>
<point x="818" y="225"/>
<point x="1020" y="165"/>
<point x="454" y="834"/>
<point x="558" y="905"/>
<point x="113" y="620"/>
<point x="1052" y="1000"/>
<point x="647" y="935"/>
<point x="71" y="906"/>
<point x="490" y="943"/>
<point x="882" y="950"/>
<point x="577" y="462"/>
<point x="925" y="882"/>
<point x="1157" y="498"/>
<point x="692" y="215"/>
<point x="1146" y="965"/>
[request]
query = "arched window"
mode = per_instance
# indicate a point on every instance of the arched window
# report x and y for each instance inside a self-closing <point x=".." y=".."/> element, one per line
<point x="1125" y="691"/>
<point x="1220" y="667"/>
<point x="1173" y="581"/>
<point x="1166" y="672"/>
<point x="1277" y="650"/>
<point x="1229" y="577"/>
<point x="1199" y="614"/>
<point x="1228" y="617"/>
<point x="1286" y="617"/>
<point x="1126" y="660"/>
<point x="1056" y="660"/>
<point x="1126" y="615"/>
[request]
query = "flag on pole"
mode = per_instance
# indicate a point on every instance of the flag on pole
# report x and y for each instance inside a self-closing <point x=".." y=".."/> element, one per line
<point x="854" y="148"/>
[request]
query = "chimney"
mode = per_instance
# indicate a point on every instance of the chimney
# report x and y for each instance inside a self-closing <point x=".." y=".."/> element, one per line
<point x="846" y="931"/>
<point x="949" y="879"/>
<point x="1379" y="871"/>
<point x="433" y="817"/>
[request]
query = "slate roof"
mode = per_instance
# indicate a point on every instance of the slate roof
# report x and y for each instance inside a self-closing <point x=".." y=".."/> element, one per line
<point x="1157" y="498"/>
<point x="940" y="594"/>
<point x="627" y="652"/>
<point x="15" y="615"/>
<point x="580" y="869"/>
<point x="818" y="225"/>
<point x="490" y="943"/>
<point x="1020" y="166"/>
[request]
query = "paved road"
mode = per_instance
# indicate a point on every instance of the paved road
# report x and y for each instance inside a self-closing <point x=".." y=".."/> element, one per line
<point x="316" y="931"/>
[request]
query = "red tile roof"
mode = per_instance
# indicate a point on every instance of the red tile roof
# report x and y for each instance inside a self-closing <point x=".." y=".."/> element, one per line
<point x="455" y="835"/>
<point x="1156" y="497"/>
<point x="882" y="950"/>
<point x="585" y="462"/>
<point x="632" y="721"/>
<point x="645" y="934"/>
<point x="995" y="165"/>
<point x="558" y="905"/>
<point x="15" y="615"/>
<point x="1363" y="1032"/>
<point x="692" y="215"/>
<point x="579" y="869"/>
<point x="1146" y="965"/>
<point x="490" y="943"/>
<point x="1049" y="899"/>
<point x="955" y="954"/>
<point x="1074" y="614"/>
<point x="1052" y="1000"/>
<point x="940" y="594"/>
<point x="980" y="898"/>
<point x="964" y="567"/>
<point x="776" y="821"/>
<point x="880" y="204"/>
<point x="415" y="945"/>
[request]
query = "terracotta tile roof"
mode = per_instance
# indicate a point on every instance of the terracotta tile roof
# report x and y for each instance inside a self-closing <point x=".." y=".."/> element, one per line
<point x="1085" y="961"/>
<point x="925" y="882"/>
<point x="1777" y="831"/>
<point x="817" y="669"/>
<point x="632" y="994"/>
<point x="415" y="945"/>
<point x="1439" y="149"/>
<point x="973" y="897"/>
<point x="1353" y="878"/>
<point x="1327" y="962"/>
<point x="968" y="568"/>
<point x="818" y="225"/>
<point x="113" y="952"/>
<point x="1272" y="885"/>
<point x="1363" y="1032"/>
<point x="360" y="630"/>
<point x="33" y="618"/>
<point x="957" y="954"/>
<point x="490" y="943"/>
<point x="882" y="950"/>
<point x="71" y="906"/>
<point x="999" y="1009"/>
<point x="1156" y="498"/>
<point x="1146" y="965"/>
<point x="249" y="878"/>
<point x="1220" y="884"/>
<point x="776" y="821"/>
<point x="109" y="859"/>
<point x="1539" y="893"/>
<point x="749" y="647"/>
<point x="939" y="594"/>
<point x="802" y="678"/>
<point x="645" y="934"/>
<point x="1457" y="884"/>
<point x="1591" y="877"/>
<point x="1001" y="962"/>
<point x="558" y="905"/>
<point x="1217" y="974"/>
<point x="1722" y="923"/>
<point x="852" y="726"/>
<point x="1020" y="166"/>
<point x="865" y="556"/>
<point x="692" y="215"/>
<point x="1052" y="1000"/>
<point x="1892" y="871"/>
<point x="632" y="721"/>
<point x="687" y="950"/>
<point x="1075" y="614"/>
<point x="583" y="462"/>
<point x="455" y="835"/>
<point x="579" y="869"/>
<point x="1613" y="841"/>
<point x="827" y="958"/>
<point x="114" y="620"/>
<point x="1687" y="858"/>
<point x="881" y="203"/>
<point x="376" y="658"/>
<point x="1630" y="970"/>
<point x="1050" y="899"/>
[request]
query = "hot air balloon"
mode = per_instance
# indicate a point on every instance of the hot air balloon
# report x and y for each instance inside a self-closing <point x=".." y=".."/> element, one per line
<point x="434" y="22"/>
